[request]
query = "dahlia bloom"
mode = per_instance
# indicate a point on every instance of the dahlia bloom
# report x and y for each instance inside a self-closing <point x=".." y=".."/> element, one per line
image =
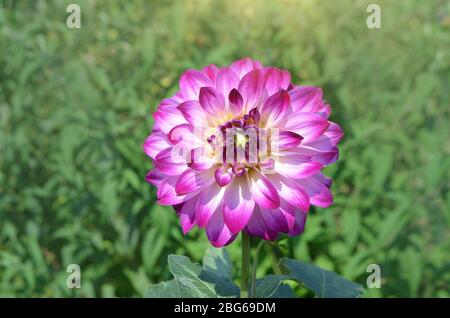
<point x="241" y="148"/>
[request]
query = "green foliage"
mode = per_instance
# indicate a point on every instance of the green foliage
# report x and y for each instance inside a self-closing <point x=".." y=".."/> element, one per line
<point x="271" y="286"/>
<point x="168" y="289"/>
<point x="76" y="104"/>
<point x="195" y="281"/>
<point x="325" y="284"/>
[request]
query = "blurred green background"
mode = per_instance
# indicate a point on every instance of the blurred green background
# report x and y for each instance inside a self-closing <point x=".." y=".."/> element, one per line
<point x="76" y="105"/>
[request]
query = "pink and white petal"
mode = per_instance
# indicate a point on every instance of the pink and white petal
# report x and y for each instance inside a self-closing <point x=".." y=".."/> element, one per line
<point x="325" y="157"/>
<point x="281" y="219"/>
<point x="245" y="65"/>
<point x="187" y="215"/>
<point x="288" y="139"/>
<point x="238" y="204"/>
<point x="334" y="133"/>
<point x="217" y="232"/>
<point x="156" y="128"/>
<point x="168" y="116"/>
<point x="324" y="110"/>
<point x="167" y="195"/>
<point x="235" y="102"/>
<point x="208" y="203"/>
<point x="275" y="109"/>
<point x="320" y="177"/>
<point x="190" y="83"/>
<point x="191" y="181"/>
<point x="223" y="175"/>
<point x="257" y="226"/>
<point x="306" y="99"/>
<point x="193" y="112"/>
<point x="183" y="133"/>
<point x="318" y="189"/>
<point x="296" y="166"/>
<point x="211" y="72"/>
<point x="155" y="143"/>
<point x="276" y="79"/>
<point x="212" y="101"/>
<point x="155" y="177"/>
<point x="290" y="191"/>
<point x="299" y="226"/>
<point x="200" y="159"/>
<point x="226" y="81"/>
<point x="252" y="89"/>
<point x="263" y="191"/>
<point x="323" y="149"/>
<point x="309" y="125"/>
<point x="169" y="163"/>
<point x="178" y="97"/>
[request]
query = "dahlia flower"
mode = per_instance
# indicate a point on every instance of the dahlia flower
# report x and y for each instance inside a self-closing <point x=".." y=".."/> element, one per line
<point x="241" y="148"/>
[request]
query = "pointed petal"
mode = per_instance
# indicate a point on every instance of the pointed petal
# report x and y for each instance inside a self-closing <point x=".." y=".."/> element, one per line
<point x="306" y="99"/>
<point x="192" y="112"/>
<point x="296" y="166"/>
<point x="281" y="219"/>
<point x="155" y="143"/>
<point x="236" y="102"/>
<point x="318" y="189"/>
<point x="168" y="163"/>
<point x="252" y="89"/>
<point x="167" y="195"/>
<point x="325" y="157"/>
<point x="211" y="72"/>
<point x="288" y="139"/>
<point x="191" y="82"/>
<point x="211" y="101"/>
<point x="209" y="202"/>
<point x="223" y="176"/>
<point x="199" y="159"/>
<point x="154" y="177"/>
<point x="309" y="125"/>
<point x="276" y="79"/>
<point x="263" y="191"/>
<point x="183" y="133"/>
<point x="217" y="232"/>
<point x="299" y="226"/>
<point x="168" y="116"/>
<point x="245" y="65"/>
<point x="226" y="81"/>
<point x="275" y="109"/>
<point x="290" y="191"/>
<point x="187" y="215"/>
<point x="257" y="226"/>
<point x="191" y="180"/>
<point x="238" y="204"/>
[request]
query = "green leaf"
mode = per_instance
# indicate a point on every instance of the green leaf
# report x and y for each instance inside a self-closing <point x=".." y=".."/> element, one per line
<point x="283" y="291"/>
<point x="268" y="285"/>
<point x="411" y="266"/>
<point x="168" y="289"/>
<point x="218" y="261"/>
<point x="325" y="284"/>
<point x="196" y="282"/>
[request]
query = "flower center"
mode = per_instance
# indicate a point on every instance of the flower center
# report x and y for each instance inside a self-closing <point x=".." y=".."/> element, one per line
<point x="241" y="142"/>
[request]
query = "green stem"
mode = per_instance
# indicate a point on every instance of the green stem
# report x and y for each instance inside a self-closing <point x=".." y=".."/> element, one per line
<point x="255" y="266"/>
<point x="273" y="250"/>
<point x="245" y="264"/>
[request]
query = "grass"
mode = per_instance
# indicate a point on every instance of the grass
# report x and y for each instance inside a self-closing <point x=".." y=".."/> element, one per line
<point x="76" y="105"/>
